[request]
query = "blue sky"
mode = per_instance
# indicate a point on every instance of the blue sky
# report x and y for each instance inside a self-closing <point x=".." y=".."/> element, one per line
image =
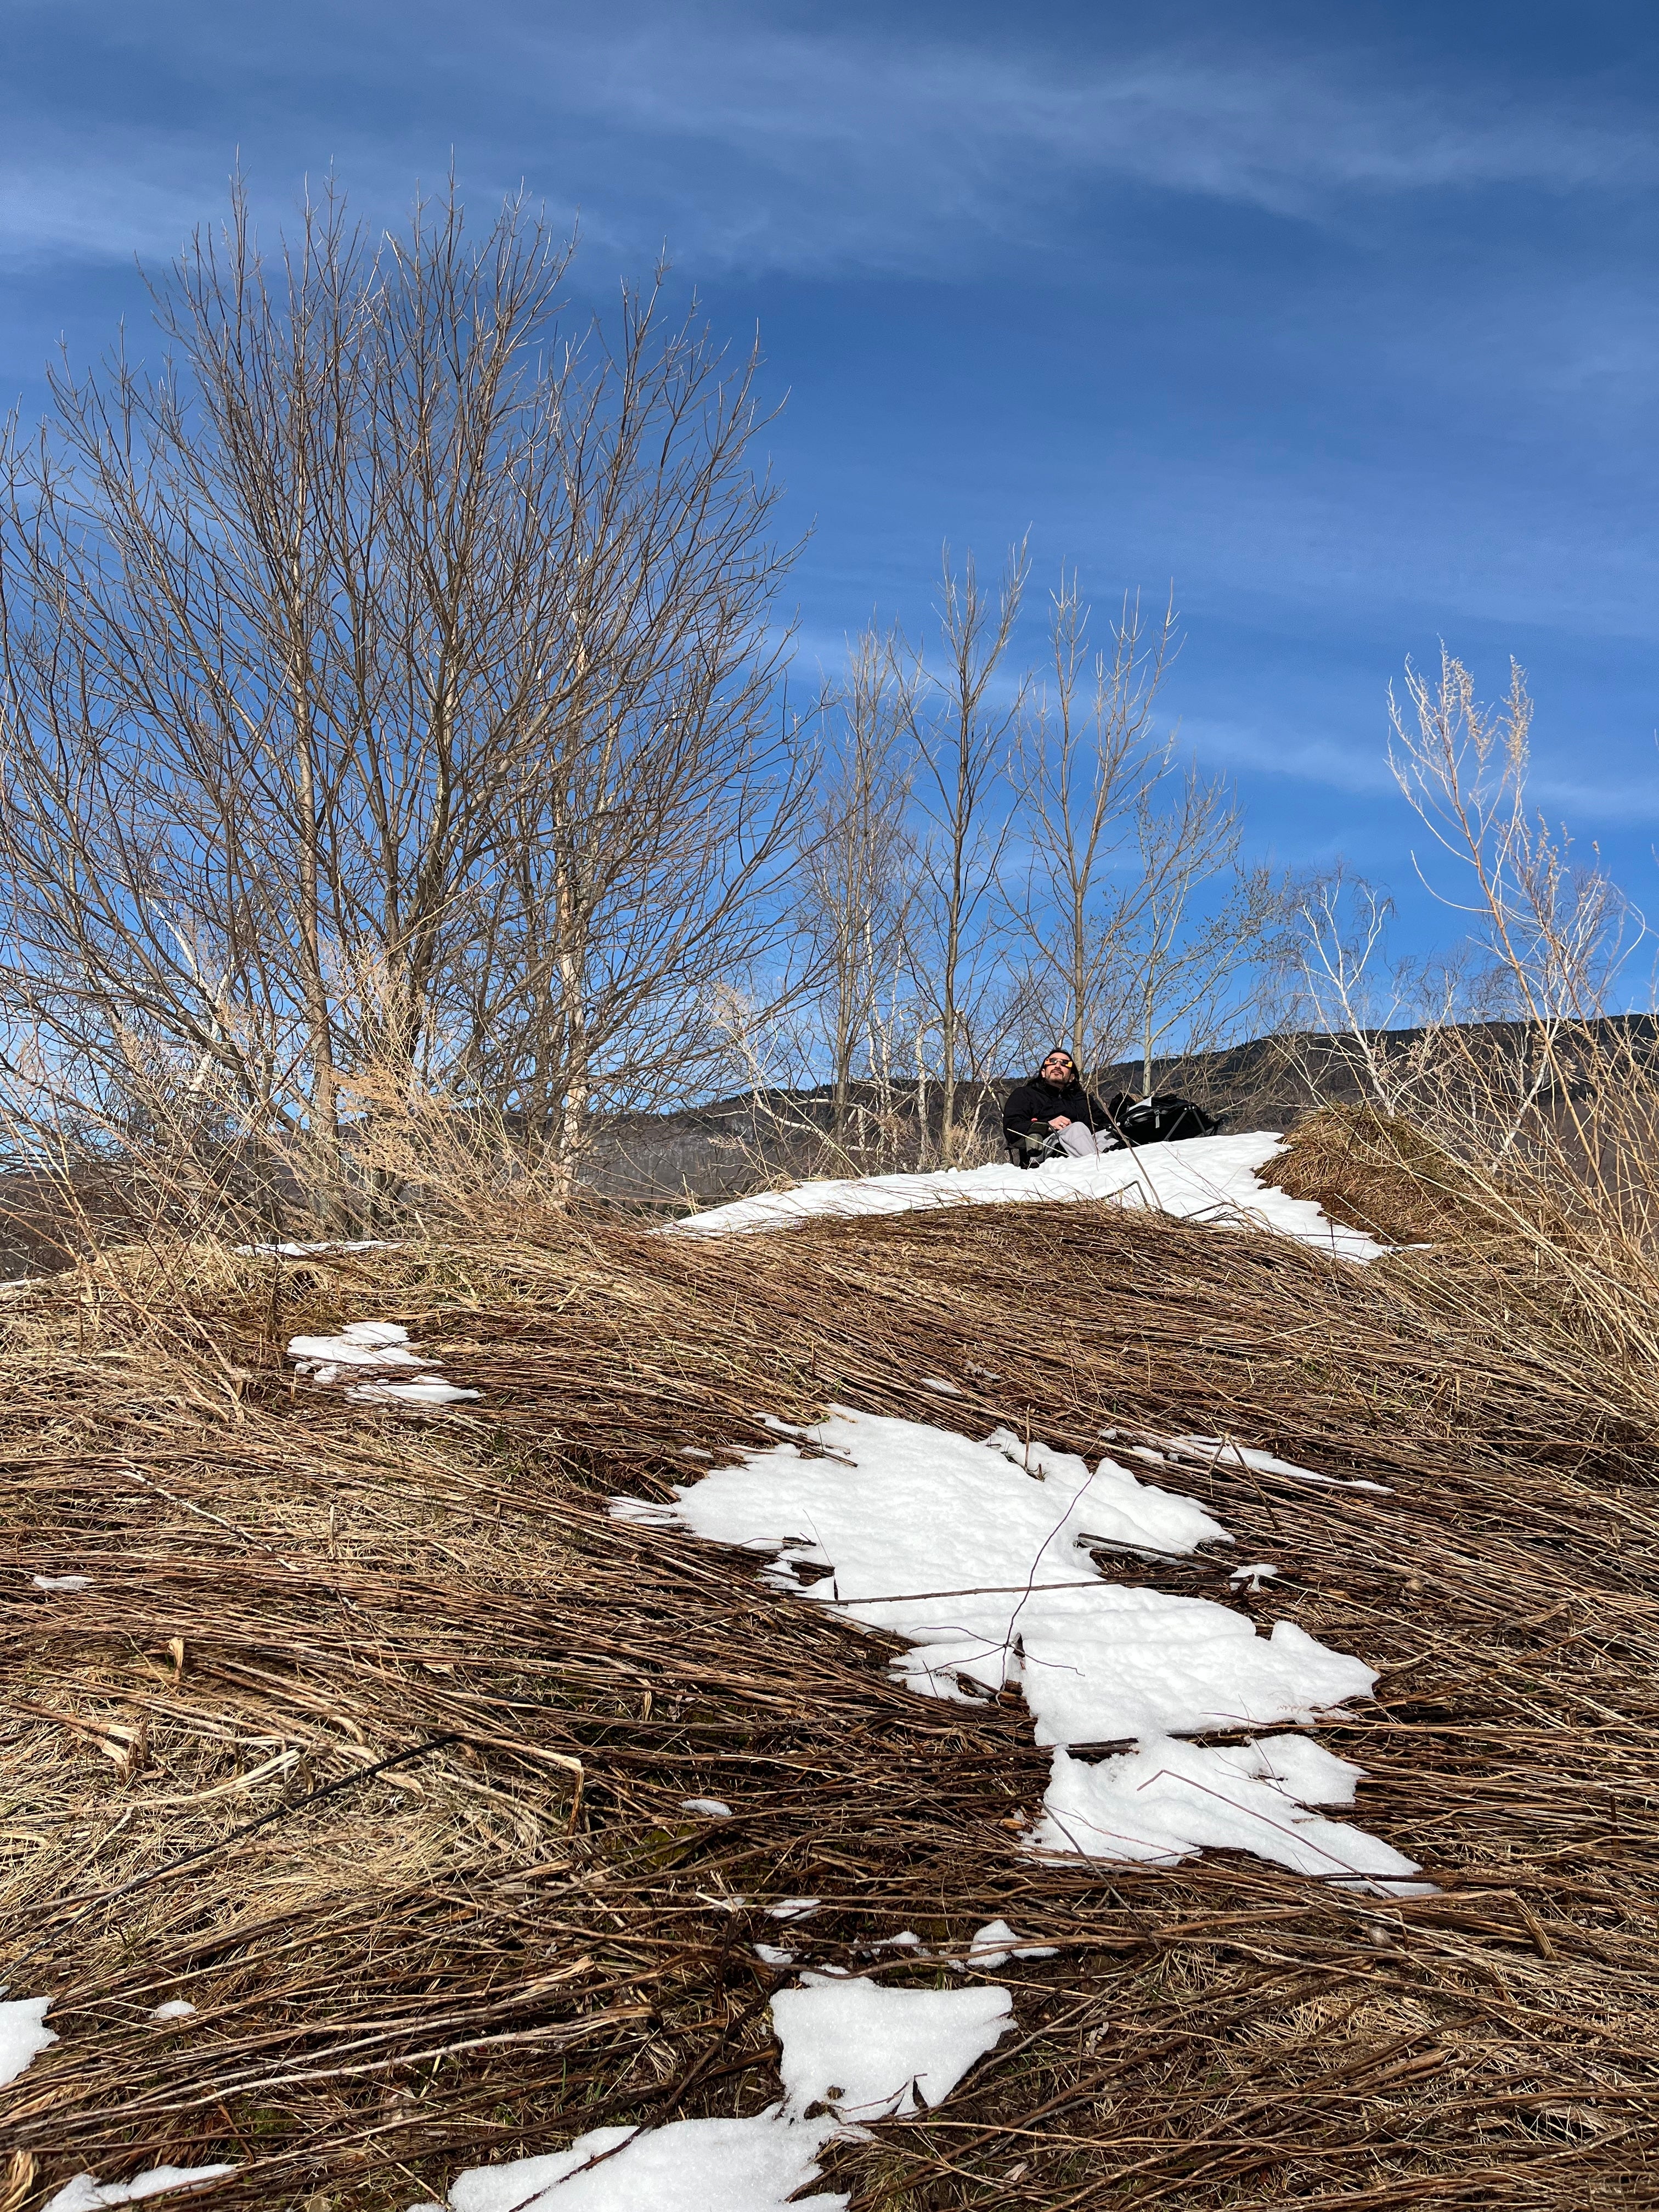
<point x="1342" y="318"/>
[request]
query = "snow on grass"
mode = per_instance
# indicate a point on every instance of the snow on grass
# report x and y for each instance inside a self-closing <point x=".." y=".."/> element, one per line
<point x="174" y="2009"/>
<point x="1162" y="1801"/>
<point x="427" y="1390"/>
<point x="711" y="1808"/>
<point x="689" y="2165"/>
<point x="1202" y="1178"/>
<point x="996" y="1943"/>
<point x="315" y="1251"/>
<point x="981" y="1556"/>
<point x="366" y="1347"/>
<point x="61" y="1582"/>
<point x="868" y="2052"/>
<point x="1221" y="1451"/>
<point x="85" y="2193"/>
<point x="864" y="2051"/>
<point x="358" y="1344"/>
<point x="23" y="2034"/>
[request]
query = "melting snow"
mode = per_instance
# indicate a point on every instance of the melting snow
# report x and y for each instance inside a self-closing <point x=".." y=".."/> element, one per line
<point x="1163" y="1801"/>
<point x="996" y="1943"/>
<point x="61" y="1582"/>
<point x="371" y="1344"/>
<point x="864" y="2051"/>
<point x="1223" y="1452"/>
<point x="428" y="1390"/>
<point x="312" y="1251"/>
<point x="85" y="2193"/>
<point x="689" y="2165"/>
<point x="23" y="2034"/>
<point x="868" y="2052"/>
<point x="174" y="2009"/>
<point x="711" y="1808"/>
<point x="360" y="1344"/>
<point x="981" y="1556"/>
<point x="1204" y="1178"/>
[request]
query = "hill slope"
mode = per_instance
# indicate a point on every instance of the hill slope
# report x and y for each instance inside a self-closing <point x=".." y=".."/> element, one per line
<point x="370" y="1733"/>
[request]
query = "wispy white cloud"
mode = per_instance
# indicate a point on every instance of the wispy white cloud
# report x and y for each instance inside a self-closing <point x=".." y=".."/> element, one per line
<point x="1359" y="765"/>
<point x="1583" y="805"/>
<point x="759" y="146"/>
<point x="877" y="150"/>
<point x="59" y="202"/>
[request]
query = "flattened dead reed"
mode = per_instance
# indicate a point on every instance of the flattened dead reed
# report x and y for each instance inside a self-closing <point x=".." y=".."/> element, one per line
<point x="519" y="1932"/>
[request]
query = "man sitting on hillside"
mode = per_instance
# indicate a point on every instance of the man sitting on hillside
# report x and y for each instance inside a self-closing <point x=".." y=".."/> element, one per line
<point x="1055" y="1104"/>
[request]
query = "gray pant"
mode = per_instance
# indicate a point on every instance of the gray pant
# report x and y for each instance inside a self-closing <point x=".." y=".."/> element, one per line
<point x="1083" y="1143"/>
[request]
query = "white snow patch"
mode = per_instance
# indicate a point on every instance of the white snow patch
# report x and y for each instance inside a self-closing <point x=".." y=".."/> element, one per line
<point x="996" y="1943"/>
<point x="1251" y="1578"/>
<point x="868" y="2052"/>
<point x="174" y="2009"/>
<point x="792" y="1908"/>
<point x="358" y="1344"/>
<point x="85" y="2193"/>
<point x="694" y="1451"/>
<point x="23" y="2034"/>
<point x="938" y="1386"/>
<point x="711" y="1808"/>
<point x="980" y="1555"/>
<point x="770" y="1955"/>
<point x="1165" y="1801"/>
<point x="61" y="1582"/>
<point x="1203" y="1178"/>
<point x="428" y="1391"/>
<point x="689" y="2165"/>
<point x="372" y="1345"/>
<point x="314" y="1251"/>
<point x="1221" y="1451"/>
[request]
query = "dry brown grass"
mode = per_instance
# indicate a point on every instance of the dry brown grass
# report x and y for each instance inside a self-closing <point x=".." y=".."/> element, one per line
<point x="516" y="1933"/>
<point x="1380" y="1173"/>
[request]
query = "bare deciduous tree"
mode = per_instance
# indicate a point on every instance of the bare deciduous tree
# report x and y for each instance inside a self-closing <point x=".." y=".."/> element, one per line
<point x="1558" y="933"/>
<point x="388" y="692"/>
<point x="1086" y="757"/>
<point x="961" y="728"/>
<point x="1185" y="955"/>
<point x="857" y="894"/>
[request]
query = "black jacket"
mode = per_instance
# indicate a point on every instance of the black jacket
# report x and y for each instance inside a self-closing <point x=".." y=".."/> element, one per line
<point x="1033" y="1105"/>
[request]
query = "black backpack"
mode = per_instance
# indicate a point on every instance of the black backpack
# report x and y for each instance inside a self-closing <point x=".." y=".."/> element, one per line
<point x="1163" y="1121"/>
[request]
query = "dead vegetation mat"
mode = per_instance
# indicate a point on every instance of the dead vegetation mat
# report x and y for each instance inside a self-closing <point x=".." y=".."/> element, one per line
<point x="370" y="1734"/>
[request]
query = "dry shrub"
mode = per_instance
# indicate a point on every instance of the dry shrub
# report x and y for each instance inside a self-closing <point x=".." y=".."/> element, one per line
<point x="1381" y="1173"/>
<point x="518" y="1932"/>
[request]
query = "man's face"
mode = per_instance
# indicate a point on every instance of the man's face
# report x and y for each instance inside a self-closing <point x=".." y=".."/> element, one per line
<point x="1057" y="1068"/>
